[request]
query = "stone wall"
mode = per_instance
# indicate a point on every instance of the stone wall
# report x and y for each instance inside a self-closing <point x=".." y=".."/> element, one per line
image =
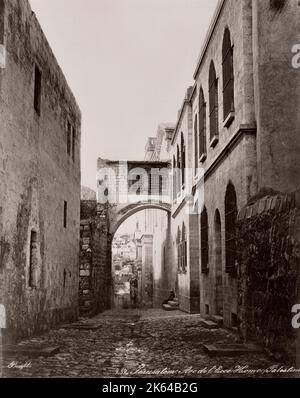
<point x="269" y="271"/>
<point x="275" y="32"/>
<point x="40" y="181"/>
<point x="95" y="265"/>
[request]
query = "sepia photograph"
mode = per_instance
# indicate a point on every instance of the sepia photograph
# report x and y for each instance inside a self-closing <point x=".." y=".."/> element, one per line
<point x="149" y="192"/>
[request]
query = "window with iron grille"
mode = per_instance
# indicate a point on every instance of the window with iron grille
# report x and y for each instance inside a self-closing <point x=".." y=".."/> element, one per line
<point x="230" y="228"/>
<point x="202" y="124"/>
<point x="228" y="75"/>
<point x="204" y="241"/>
<point x="183" y="161"/>
<point x="196" y="143"/>
<point x="213" y="102"/>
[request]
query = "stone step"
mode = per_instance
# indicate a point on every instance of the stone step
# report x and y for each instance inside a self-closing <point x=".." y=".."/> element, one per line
<point x="217" y="319"/>
<point x="81" y="326"/>
<point x="32" y="351"/>
<point x="209" y="324"/>
<point x="173" y="303"/>
<point x="168" y="307"/>
<point x="232" y="349"/>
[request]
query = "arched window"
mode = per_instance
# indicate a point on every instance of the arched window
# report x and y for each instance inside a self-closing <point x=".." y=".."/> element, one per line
<point x="202" y="126"/>
<point x="228" y="76"/>
<point x="183" y="249"/>
<point x="204" y="241"/>
<point x="183" y="161"/>
<point x="178" y="243"/>
<point x="213" y="105"/>
<point x="230" y="227"/>
<point x="196" y="143"/>
<point x="174" y="178"/>
<point x="178" y="171"/>
<point x="218" y="263"/>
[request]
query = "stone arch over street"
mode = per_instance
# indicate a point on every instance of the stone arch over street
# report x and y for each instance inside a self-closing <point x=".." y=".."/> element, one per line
<point x="117" y="219"/>
<point x="124" y="189"/>
<point x="144" y="278"/>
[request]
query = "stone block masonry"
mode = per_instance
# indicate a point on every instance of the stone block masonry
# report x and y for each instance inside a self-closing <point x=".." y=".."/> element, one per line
<point x="268" y="272"/>
<point x="95" y="250"/>
<point x="40" y="127"/>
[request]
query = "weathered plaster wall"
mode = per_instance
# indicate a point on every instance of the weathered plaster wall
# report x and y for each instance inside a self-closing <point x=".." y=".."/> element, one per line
<point x="37" y="177"/>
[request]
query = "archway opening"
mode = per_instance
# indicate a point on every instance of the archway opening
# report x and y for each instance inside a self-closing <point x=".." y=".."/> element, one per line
<point x="140" y="261"/>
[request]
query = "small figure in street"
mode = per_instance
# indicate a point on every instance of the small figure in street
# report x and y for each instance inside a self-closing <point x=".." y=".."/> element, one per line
<point x="170" y="298"/>
<point x="133" y="291"/>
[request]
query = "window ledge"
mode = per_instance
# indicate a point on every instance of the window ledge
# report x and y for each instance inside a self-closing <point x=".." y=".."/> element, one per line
<point x="214" y="141"/>
<point x="229" y="119"/>
<point x="203" y="158"/>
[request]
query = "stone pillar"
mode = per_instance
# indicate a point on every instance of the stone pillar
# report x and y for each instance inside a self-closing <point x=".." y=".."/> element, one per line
<point x="2" y="326"/>
<point x="147" y="270"/>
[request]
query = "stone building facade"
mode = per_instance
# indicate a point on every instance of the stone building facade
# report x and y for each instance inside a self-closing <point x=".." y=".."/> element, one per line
<point x="40" y="127"/>
<point x="158" y="223"/>
<point x="236" y="142"/>
<point x="230" y="244"/>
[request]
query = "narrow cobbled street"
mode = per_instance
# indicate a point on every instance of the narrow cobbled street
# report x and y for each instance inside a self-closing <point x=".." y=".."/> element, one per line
<point x="133" y="343"/>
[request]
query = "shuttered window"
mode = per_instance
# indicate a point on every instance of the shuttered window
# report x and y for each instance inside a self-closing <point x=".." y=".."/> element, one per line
<point x="196" y="144"/>
<point x="228" y="75"/>
<point x="204" y="241"/>
<point x="202" y="124"/>
<point x="183" y="161"/>
<point x="213" y="103"/>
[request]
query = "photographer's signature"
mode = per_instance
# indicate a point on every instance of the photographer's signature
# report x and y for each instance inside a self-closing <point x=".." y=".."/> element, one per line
<point x="19" y="365"/>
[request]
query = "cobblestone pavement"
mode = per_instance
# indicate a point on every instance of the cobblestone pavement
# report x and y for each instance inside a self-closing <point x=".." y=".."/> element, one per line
<point x="132" y="343"/>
